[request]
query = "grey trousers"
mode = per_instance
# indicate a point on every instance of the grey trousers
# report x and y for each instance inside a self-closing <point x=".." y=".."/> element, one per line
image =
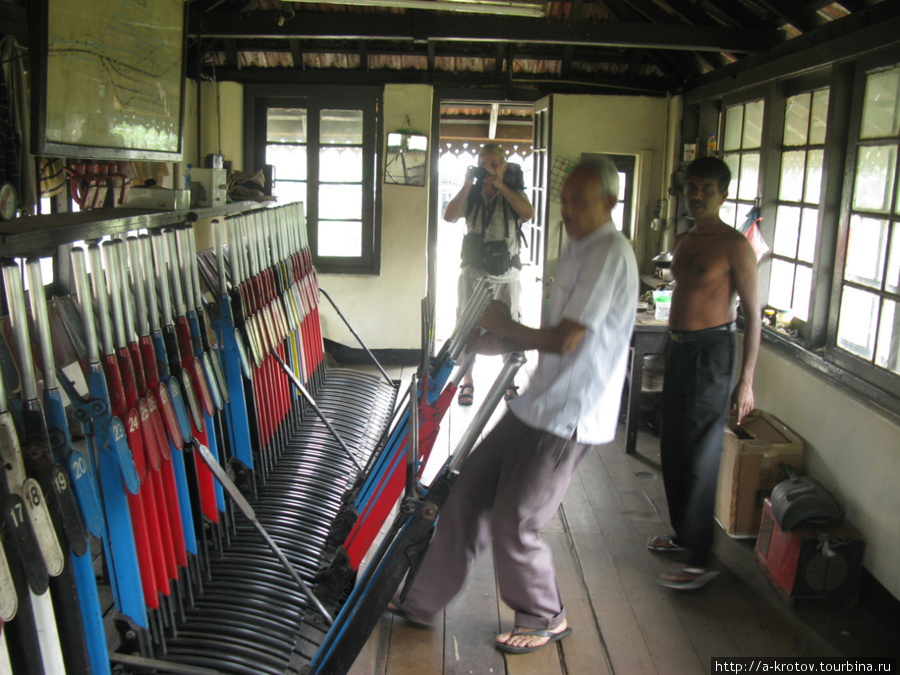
<point x="506" y="493"/>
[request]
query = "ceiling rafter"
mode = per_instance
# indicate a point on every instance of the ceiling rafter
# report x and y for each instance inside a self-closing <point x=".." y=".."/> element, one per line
<point x="297" y="53"/>
<point x="733" y="13"/>
<point x="794" y="12"/>
<point x="633" y="46"/>
<point x="649" y="10"/>
<point x="575" y="13"/>
<point x="517" y="88"/>
<point x="690" y="12"/>
<point x="321" y="25"/>
<point x="674" y="66"/>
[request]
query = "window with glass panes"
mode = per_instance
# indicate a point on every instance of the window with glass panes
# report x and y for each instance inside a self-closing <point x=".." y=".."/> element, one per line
<point x="321" y="145"/>
<point x="797" y="211"/>
<point x="621" y="214"/>
<point x="869" y="321"/>
<point x="741" y="143"/>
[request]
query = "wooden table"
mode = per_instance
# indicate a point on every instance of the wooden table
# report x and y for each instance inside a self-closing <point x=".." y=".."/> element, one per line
<point x="650" y="337"/>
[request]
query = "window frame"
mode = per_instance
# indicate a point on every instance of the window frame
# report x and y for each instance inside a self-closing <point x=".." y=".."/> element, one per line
<point x="742" y="203"/>
<point x="258" y="98"/>
<point x="803" y="204"/>
<point x="626" y="164"/>
<point x="879" y="377"/>
<point x="839" y="80"/>
<point x="816" y="344"/>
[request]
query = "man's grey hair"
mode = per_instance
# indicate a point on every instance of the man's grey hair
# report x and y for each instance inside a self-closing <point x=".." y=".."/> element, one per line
<point x="604" y="169"/>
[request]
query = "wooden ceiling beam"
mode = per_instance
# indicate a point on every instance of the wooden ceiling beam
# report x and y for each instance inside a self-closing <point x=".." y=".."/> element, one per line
<point x="517" y="88"/>
<point x="796" y="13"/>
<point x="733" y="13"/>
<point x="297" y="53"/>
<point x="370" y="26"/>
<point x="690" y="12"/>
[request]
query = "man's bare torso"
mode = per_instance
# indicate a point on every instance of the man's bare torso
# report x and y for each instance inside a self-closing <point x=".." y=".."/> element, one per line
<point x="705" y="290"/>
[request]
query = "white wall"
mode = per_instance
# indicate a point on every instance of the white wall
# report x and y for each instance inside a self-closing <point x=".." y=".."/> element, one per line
<point x="620" y="125"/>
<point x="850" y="446"/>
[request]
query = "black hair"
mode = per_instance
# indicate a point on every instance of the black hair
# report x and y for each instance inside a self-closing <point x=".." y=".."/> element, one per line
<point x="711" y="167"/>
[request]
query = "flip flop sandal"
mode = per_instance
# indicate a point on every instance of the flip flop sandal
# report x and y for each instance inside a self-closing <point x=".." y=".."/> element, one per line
<point x="664" y="543"/>
<point x="537" y="632"/>
<point x="465" y="394"/>
<point x="692" y="577"/>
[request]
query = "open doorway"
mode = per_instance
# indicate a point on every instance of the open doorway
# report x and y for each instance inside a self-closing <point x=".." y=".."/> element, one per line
<point x="465" y="127"/>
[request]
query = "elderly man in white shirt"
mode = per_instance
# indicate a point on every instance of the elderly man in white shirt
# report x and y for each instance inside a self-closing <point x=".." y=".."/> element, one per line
<point x="512" y="484"/>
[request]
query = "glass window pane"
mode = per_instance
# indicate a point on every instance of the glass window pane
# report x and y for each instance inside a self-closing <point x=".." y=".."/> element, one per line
<point x="287" y="192"/>
<point x="892" y="278"/>
<point x="874" y="177"/>
<point x="728" y="213"/>
<point x="818" y="124"/>
<point x="618" y="214"/>
<point x="865" y="251"/>
<point x="734" y="165"/>
<point x="793" y="171"/>
<point x="814" y="161"/>
<point x="856" y="326"/>
<point x="809" y="225"/>
<point x="802" y="290"/>
<point x="340" y="202"/>
<point x="341" y="165"/>
<point x="796" y="119"/>
<point x="753" y="122"/>
<point x="897" y="201"/>
<point x="748" y="188"/>
<point x="881" y="109"/>
<point x="289" y="161"/>
<point x="888" y="353"/>
<point x="340" y="239"/>
<point x="787" y="231"/>
<point x="341" y="127"/>
<point x="286" y="125"/>
<point x="733" y="120"/>
<point x="781" y="284"/>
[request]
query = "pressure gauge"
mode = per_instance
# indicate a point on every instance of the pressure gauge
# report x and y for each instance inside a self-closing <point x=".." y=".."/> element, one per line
<point x="9" y="201"/>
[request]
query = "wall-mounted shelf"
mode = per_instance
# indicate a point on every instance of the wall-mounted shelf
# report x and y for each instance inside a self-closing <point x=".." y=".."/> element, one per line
<point x="42" y="235"/>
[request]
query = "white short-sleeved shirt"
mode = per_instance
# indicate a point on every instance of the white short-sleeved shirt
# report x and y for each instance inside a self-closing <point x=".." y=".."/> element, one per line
<point x="597" y="287"/>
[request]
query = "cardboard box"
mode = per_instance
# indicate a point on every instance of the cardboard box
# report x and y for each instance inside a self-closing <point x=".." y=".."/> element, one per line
<point x="749" y="469"/>
<point x="208" y="187"/>
<point x="158" y="198"/>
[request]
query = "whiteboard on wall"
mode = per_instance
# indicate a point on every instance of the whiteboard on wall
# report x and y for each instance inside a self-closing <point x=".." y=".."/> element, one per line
<point x="111" y="80"/>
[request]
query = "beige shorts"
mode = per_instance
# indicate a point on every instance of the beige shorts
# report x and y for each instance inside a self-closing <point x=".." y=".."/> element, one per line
<point x="508" y="292"/>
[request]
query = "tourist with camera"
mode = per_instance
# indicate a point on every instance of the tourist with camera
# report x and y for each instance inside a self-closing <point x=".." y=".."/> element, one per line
<point x="492" y="200"/>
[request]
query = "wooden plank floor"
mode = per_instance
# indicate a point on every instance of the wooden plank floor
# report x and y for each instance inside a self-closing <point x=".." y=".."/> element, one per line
<point x="623" y="621"/>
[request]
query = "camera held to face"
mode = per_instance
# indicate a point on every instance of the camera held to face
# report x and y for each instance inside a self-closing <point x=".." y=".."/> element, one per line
<point x="480" y="172"/>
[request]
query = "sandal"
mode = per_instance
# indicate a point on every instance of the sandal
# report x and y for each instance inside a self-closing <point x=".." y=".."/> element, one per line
<point x="538" y="632"/>
<point x="512" y="391"/>
<point x="664" y="543"/>
<point x="685" y="578"/>
<point x="465" y="394"/>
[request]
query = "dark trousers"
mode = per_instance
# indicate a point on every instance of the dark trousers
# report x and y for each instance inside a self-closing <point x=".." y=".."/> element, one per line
<point x="696" y="399"/>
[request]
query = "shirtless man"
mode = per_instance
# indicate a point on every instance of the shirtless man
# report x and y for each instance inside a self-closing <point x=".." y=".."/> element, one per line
<point x="713" y="265"/>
